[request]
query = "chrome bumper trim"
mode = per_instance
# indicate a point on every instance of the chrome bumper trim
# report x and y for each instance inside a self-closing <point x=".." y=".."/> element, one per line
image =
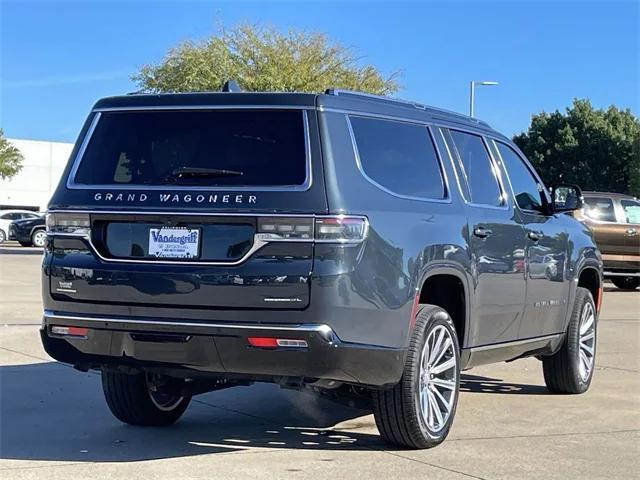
<point x="325" y="330"/>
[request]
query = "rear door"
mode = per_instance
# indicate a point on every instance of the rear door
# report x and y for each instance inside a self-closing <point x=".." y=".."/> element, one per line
<point x="197" y="208"/>
<point x="497" y="244"/>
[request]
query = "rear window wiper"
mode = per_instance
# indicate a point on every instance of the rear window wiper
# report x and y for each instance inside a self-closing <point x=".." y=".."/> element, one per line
<point x="195" y="172"/>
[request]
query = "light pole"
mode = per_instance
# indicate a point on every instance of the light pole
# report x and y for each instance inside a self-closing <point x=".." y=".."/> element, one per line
<point x="472" y="88"/>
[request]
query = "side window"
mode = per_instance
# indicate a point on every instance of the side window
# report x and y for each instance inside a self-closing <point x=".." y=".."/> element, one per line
<point x="6" y="216"/>
<point x="526" y="189"/>
<point x="399" y="157"/>
<point x="477" y="168"/>
<point x="599" y="208"/>
<point x="631" y="209"/>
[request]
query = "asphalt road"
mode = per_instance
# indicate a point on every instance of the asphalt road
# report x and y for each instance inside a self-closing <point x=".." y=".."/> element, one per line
<point x="54" y="422"/>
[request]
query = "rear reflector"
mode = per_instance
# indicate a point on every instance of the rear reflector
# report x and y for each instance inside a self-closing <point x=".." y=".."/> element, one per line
<point x="270" y="342"/>
<point x="69" y="331"/>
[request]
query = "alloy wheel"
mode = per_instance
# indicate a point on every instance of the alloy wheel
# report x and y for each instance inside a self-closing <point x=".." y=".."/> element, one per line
<point x="438" y="374"/>
<point x="40" y="238"/>
<point x="163" y="401"/>
<point x="587" y="340"/>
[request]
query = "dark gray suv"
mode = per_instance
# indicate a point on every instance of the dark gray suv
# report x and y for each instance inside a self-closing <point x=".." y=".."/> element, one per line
<point x="345" y="243"/>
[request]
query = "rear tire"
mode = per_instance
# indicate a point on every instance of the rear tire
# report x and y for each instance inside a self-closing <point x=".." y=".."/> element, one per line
<point x="131" y="400"/>
<point x="626" y="283"/>
<point x="571" y="369"/>
<point x="419" y="410"/>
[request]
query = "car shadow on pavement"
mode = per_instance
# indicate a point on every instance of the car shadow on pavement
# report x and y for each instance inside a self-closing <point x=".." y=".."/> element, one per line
<point x="478" y="384"/>
<point x="49" y="412"/>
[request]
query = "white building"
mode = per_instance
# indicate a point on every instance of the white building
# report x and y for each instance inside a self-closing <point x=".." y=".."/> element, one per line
<point x="42" y="167"/>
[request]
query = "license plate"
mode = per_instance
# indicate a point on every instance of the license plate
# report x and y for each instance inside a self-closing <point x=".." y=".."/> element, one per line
<point x="173" y="242"/>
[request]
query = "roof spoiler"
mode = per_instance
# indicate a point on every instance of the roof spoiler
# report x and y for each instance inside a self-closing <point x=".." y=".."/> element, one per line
<point x="231" y="86"/>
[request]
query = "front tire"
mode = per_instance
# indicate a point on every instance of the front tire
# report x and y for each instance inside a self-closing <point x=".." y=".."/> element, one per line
<point x="626" y="283"/>
<point x="418" y="411"/>
<point x="571" y="369"/>
<point x="135" y="399"/>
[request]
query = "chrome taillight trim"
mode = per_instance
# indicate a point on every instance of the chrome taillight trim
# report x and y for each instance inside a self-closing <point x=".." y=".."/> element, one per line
<point x="259" y="240"/>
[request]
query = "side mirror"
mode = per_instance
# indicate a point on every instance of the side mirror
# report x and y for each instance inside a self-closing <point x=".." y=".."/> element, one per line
<point x="566" y="198"/>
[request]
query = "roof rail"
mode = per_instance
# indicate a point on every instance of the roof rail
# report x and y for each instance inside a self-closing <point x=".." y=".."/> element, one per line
<point x="399" y="101"/>
<point x="355" y="93"/>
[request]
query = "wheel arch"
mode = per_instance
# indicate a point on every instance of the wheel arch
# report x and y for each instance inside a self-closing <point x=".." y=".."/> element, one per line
<point x="446" y="286"/>
<point x="590" y="277"/>
<point x="36" y="228"/>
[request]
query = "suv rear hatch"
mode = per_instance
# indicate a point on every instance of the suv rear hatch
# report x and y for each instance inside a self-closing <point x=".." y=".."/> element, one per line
<point x="190" y="206"/>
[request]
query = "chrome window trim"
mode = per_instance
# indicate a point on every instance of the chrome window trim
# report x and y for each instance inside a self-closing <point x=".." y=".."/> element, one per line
<point x="50" y="316"/>
<point x="204" y="107"/>
<point x="182" y="214"/>
<point x="527" y="165"/>
<point x="436" y="122"/>
<point x="259" y="239"/>
<point x="504" y="197"/>
<point x="443" y="173"/>
<point x="452" y="163"/>
<point x="71" y="184"/>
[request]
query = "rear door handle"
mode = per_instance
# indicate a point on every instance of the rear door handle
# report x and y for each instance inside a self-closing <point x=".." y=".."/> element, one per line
<point x="481" y="232"/>
<point x="632" y="232"/>
<point x="535" y="236"/>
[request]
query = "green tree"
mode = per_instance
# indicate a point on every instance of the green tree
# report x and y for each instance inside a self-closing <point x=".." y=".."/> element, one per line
<point x="594" y="148"/>
<point x="263" y="59"/>
<point x="10" y="158"/>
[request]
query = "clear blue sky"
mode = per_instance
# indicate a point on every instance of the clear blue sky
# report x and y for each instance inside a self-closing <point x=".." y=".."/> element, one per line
<point x="57" y="58"/>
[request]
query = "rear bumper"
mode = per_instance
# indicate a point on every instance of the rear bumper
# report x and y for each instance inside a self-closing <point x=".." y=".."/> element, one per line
<point x="220" y="349"/>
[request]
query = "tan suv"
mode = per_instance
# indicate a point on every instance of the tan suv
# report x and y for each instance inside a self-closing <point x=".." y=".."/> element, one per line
<point x="614" y="219"/>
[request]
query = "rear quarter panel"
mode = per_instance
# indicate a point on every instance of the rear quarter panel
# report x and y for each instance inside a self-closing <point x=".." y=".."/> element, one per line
<point x="408" y="241"/>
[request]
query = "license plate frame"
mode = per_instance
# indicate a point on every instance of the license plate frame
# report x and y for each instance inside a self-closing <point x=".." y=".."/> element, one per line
<point x="174" y="243"/>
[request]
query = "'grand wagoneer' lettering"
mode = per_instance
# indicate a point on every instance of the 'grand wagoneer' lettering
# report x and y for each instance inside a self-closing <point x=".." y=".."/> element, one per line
<point x="187" y="198"/>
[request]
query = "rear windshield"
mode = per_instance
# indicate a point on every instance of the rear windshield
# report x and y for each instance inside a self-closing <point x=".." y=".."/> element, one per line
<point x="203" y="148"/>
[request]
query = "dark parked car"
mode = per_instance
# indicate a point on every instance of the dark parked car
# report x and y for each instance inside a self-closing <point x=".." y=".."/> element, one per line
<point x="614" y="219"/>
<point x="29" y="232"/>
<point x="350" y="244"/>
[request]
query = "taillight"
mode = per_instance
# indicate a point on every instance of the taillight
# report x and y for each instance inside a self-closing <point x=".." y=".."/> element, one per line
<point x="330" y="229"/>
<point x="341" y="229"/>
<point x="285" y="228"/>
<point x="74" y="223"/>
